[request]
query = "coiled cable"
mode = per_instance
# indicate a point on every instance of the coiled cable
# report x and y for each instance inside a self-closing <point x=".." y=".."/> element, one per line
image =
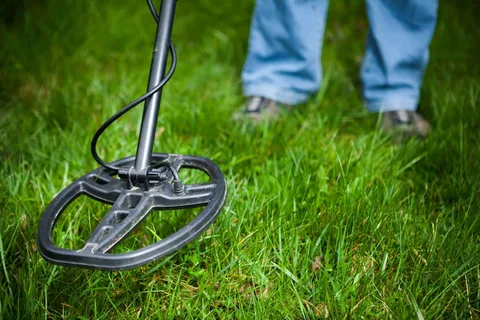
<point x="131" y="105"/>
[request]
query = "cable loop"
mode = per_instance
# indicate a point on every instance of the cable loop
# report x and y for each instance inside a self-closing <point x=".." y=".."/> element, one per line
<point x="131" y="105"/>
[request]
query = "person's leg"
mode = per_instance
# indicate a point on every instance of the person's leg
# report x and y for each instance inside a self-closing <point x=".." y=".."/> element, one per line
<point x="283" y="61"/>
<point x="397" y="52"/>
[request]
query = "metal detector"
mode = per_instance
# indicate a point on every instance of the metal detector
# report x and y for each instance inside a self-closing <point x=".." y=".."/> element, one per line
<point x="137" y="185"/>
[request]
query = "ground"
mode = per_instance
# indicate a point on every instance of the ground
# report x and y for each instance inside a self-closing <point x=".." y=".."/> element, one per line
<point x="325" y="217"/>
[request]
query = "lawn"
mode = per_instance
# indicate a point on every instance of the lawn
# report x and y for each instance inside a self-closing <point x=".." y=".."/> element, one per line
<point x="325" y="217"/>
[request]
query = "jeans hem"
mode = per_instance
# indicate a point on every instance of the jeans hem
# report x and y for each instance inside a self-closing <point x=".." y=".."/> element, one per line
<point x="392" y="104"/>
<point x="270" y="92"/>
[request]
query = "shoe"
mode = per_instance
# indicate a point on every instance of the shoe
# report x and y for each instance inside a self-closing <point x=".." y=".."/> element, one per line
<point x="259" y="109"/>
<point x="404" y="124"/>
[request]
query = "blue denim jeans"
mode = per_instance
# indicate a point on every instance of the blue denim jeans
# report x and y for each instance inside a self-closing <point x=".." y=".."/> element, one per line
<point x="283" y="61"/>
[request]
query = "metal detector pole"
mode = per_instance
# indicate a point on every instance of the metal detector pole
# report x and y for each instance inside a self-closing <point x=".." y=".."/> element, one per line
<point x="157" y="72"/>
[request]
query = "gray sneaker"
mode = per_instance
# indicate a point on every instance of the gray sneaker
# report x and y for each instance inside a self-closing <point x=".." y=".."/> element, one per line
<point x="259" y="109"/>
<point x="405" y="124"/>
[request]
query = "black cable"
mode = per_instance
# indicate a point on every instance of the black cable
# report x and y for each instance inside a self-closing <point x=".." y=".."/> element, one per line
<point x="134" y="103"/>
<point x="166" y="163"/>
<point x="153" y="10"/>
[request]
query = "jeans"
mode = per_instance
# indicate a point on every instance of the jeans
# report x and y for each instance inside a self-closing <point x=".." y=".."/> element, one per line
<point x="283" y="61"/>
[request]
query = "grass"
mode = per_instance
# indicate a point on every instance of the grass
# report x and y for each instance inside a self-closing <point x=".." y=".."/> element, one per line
<point x="324" y="218"/>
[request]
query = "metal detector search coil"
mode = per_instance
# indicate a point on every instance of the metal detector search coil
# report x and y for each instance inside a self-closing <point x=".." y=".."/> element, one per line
<point x="137" y="185"/>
